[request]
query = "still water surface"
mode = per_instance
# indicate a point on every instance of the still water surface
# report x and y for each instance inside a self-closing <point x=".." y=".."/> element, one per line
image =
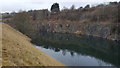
<point x="75" y="50"/>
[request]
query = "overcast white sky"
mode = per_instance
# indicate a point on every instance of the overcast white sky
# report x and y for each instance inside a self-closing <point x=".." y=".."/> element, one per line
<point x="16" y="5"/>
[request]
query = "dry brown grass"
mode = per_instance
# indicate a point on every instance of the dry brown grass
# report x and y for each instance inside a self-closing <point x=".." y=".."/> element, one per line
<point x="18" y="51"/>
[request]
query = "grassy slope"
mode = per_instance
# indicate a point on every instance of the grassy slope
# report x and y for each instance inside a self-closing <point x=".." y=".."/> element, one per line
<point x="0" y="44"/>
<point x="18" y="51"/>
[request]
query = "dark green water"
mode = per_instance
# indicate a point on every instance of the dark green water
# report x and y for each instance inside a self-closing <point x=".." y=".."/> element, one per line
<point x="75" y="50"/>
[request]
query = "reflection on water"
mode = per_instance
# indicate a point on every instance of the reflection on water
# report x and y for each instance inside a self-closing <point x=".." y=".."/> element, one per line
<point x="75" y="50"/>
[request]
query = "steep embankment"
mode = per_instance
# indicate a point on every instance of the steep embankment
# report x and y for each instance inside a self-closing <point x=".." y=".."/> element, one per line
<point x="18" y="51"/>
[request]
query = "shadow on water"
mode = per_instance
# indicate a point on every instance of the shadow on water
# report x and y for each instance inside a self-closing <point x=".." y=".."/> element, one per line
<point x="105" y="50"/>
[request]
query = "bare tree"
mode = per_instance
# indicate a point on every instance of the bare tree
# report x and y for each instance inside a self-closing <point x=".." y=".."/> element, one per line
<point x="72" y="7"/>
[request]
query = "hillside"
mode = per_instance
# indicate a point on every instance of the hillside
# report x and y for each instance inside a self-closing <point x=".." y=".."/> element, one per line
<point x="99" y="21"/>
<point x="18" y="51"/>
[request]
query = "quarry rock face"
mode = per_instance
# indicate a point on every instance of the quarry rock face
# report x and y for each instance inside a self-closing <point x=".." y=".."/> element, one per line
<point x="98" y="30"/>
